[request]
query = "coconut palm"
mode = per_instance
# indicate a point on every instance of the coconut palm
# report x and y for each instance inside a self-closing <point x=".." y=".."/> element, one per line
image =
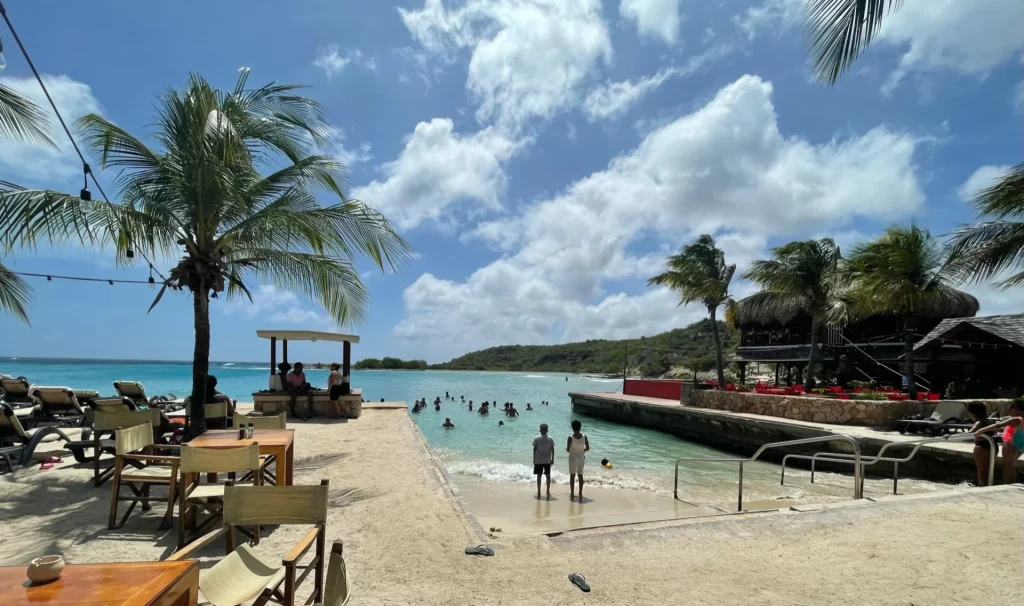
<point x="996" y="245"/>
<point x="904" y="272"/>
<point x="700" y="275"/>
<point x="200" y="193"/>
<point x="21" y="120"/>
<point x="804" y="277"/>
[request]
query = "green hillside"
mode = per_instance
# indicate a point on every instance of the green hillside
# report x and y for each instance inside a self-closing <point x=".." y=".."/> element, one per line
<point x="692" y="347"/>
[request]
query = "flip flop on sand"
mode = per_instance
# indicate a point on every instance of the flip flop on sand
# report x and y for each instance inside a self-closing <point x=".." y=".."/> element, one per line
<point x="483" y="550"/>
<point x="580" y="581"/>
<point x="45" y="466"/>
<point x="52" y="460"/>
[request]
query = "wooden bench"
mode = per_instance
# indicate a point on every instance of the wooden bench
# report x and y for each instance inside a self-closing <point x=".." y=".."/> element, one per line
<point x="277" y="401"/>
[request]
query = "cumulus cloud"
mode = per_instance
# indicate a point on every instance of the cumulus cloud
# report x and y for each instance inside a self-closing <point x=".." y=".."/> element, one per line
<point x="30" y="164"/>
<point x="984" y="177"/>
<point x="612" y="99"/>
<point x="772" y="15"/>
<point x="275" y="304"/>
<point x="439" y="169"/>
<point x="331" y="60"/>
<point x="655" y="18"/>
<point x="723" y="169"/>
<point x="527" y="57"/>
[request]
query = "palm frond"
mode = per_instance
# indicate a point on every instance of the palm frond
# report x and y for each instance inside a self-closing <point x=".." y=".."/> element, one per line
<point x="804" y="277"/>
<point x="698" y="273"/>
<point x="15" y="294"/>
<point x="839" y="30"/>
<point x="23" y="120"/>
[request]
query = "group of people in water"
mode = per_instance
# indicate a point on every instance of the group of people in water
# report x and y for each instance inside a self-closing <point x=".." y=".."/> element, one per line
<point x="509" y="408"/>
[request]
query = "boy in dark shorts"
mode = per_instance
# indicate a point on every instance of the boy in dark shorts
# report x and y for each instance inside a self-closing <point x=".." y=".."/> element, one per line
<point x="543" y="457"/>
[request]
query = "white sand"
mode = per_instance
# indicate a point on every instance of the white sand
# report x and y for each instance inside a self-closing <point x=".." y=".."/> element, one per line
<point x="404" y="538"/>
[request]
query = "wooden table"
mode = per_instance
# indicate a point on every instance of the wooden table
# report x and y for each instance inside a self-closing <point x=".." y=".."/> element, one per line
<point x="277" y="442"/>
<point x="115" y="584"/>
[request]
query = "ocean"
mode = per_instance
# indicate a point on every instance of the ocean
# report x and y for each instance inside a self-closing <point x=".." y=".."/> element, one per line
<point x="643" y="459"/>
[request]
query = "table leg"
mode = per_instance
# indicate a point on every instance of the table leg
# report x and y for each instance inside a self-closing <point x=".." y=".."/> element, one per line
<point x="184" y="592"/>
<point x="289" y="462"/>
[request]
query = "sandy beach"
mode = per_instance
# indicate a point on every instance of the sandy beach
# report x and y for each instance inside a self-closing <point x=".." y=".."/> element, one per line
<point x="405" y="528"/>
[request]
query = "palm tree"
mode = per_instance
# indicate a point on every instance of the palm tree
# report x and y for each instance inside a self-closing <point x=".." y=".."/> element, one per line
<point x="804" y="277"/>
<point x="700" y="275"/>
<point x="22" y="120"/>
<point x="904" y="273"/>
<point x="200" y="193"/>
<point x="984" y="250"/>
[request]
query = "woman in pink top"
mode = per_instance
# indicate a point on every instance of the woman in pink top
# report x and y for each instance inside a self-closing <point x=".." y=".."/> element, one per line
<point x="297" y="385"/>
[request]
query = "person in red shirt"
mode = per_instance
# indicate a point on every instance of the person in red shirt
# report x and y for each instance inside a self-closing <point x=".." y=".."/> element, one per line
<point x="298" y="385"/>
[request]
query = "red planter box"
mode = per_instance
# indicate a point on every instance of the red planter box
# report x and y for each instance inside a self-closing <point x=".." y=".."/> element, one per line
<point x="669" y="390"/>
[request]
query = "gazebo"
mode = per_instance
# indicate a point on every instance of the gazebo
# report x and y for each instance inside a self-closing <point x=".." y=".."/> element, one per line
<point x="277" y="398"/>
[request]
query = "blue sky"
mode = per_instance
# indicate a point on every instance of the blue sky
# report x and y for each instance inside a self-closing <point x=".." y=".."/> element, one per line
<point x="541" y="156"/>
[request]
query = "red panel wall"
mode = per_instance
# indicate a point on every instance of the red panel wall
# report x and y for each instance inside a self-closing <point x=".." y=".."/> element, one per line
<point x="652" y="389"/>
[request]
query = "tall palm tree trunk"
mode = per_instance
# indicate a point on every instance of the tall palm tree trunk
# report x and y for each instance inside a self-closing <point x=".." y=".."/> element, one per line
<point x="812" y="357"/>
<point x="908" y="340"/>
<point x="200" y="361"/>
<point x="718" y="347"/>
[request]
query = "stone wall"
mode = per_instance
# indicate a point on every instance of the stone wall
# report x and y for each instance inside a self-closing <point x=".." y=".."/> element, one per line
<point x="806" y="408"/>
<point x="820" y="410"/>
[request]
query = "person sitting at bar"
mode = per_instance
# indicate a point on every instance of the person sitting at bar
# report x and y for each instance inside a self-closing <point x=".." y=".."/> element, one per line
<point x="297" y="385"/>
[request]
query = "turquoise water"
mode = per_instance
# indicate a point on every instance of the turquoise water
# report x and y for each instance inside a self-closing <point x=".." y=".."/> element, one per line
<point x="478" y="447"/>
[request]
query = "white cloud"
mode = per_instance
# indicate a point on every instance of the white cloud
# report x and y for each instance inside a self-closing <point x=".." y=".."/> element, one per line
<point x="437" y="169"/>
<point x="277" y="305"/>
<point x="612" y="99"/>
<point x="723" y="169"/>
<point x="528" y="57"/>
<point x="984" y="177"/>
<point x="330" y="59"/>
<point x="346" y="155"/>
<point x="772" y="15"/>
<point x="971" y="38"/>
<point x="29" y="164"/>
<point x="655" y="18"/>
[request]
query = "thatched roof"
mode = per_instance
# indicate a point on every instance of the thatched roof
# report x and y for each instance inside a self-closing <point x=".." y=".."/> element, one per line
<point x="749" y="313"/>
<point x="1009" y="328"/>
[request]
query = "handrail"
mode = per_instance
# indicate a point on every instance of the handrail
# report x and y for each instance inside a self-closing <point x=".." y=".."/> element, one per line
<point x="857" y="474"/>
<point x="865" y="461"/>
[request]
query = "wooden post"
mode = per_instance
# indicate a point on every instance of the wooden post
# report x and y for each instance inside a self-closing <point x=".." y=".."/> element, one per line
<point x="789" y="375"/>
<point x="346" y="360"/>
<point x="284" y="350"/>
<point x="273" y="355"/>
<point x="776" y="374"/>
<point x="743" y="372"/>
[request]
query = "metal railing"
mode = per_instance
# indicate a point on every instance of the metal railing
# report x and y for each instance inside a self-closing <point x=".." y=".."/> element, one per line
<point x="831" y="457"/>
<point x="858" y="470"/>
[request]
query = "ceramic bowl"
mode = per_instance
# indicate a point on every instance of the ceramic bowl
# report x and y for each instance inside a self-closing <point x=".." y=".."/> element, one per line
<point x="45" y="569"/>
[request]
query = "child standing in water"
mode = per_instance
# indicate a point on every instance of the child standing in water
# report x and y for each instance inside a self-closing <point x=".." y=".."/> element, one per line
<point x="576" y="446"/>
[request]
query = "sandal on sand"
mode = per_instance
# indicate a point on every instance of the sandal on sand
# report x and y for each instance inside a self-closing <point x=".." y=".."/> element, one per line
<point x="580" y="581"/>
<point x="45" y="466"/>
<point x="483" y="550"/>
<point x="52" y="460"/>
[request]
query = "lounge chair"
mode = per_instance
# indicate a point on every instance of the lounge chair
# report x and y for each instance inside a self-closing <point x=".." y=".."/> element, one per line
<point x="139" y="464"/>
<point x="278" y="421"/>
<point x="15" y="391"/>
<point x="57" y="405"/>
<point x="216" y="414"/>
<point x="25" y="441"/>
<point x="194" y="496"/>
<point x="338" y="588"/>
<point x="133" y="390"/>
<point x="244" y="574"/>
<point x="946" y="413"/>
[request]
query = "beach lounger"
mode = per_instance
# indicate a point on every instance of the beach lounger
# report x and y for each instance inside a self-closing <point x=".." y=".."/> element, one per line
<point x="133" y="390"/>
<point x="57" y="405"/>
<point x="194" y="496"/>
<point x="15" y="391"/>
<point x="278" y="421"/>
<point x="138" y="465"/>
<point x="244" y="574"/>
<point x="946" y="413"/>
<point x="23" y="442"/>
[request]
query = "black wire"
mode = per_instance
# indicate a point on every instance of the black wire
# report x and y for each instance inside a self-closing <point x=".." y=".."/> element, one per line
<point x="85" y="165"/>
<point x="80" y="279"/>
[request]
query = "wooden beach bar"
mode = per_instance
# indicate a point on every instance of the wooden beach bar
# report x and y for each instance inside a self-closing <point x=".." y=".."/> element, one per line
<point x="277" y="398"/>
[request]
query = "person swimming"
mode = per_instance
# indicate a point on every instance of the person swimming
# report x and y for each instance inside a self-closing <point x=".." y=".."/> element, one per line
<point x="528" y="407"/>
<point x="501" y="423"/>
<point x="448" y="423"/>
<point x="606" y="464"/>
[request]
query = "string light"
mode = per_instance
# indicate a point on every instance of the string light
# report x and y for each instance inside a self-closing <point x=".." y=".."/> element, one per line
<point x="51" y="278"/>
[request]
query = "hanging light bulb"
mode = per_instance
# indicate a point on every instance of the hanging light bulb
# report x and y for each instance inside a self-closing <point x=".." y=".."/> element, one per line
<point x="129" y="253"/>
<point x="49" y="278"/>
<point x="85" y="194"/>
<point x="3" y="62"/>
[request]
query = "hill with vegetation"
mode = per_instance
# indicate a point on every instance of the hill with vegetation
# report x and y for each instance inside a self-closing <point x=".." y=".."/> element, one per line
<point x="387" y="363"/>
<point x="691" y="347"/>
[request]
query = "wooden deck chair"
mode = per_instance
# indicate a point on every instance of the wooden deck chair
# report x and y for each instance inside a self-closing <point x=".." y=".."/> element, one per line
<point x="133" y="390"/>
<point x="244" y="574"/>
<point x="15" y="391"/>
<point x="339" y="586"/>
<point x="106" y="421"/>
<point x="279" y="421"/>
<point x="139" y="465"/>
<point x="27" y="440"/>
<point x="57" y="405"/>
<point x="88" y="437"/>
<point x="216" y="414"/>
<point x="194" y="496"/>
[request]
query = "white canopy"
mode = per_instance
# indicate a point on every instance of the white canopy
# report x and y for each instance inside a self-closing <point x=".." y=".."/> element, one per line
<point x="306" y="335"/>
